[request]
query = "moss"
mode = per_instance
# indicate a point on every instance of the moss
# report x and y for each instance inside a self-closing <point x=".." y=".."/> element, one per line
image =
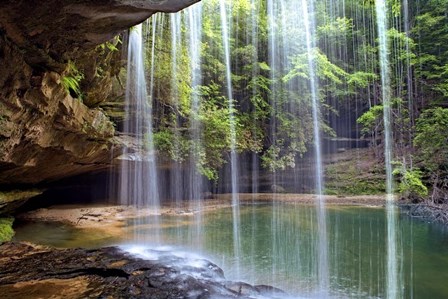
<point x="6" y="231"/>
<point x="11" y="200"/>
<point x="9" y="196"/>
<point x="355" y="172"/>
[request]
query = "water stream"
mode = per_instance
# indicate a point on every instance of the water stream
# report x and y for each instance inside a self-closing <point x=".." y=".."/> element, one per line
<point x="176" y="177"/>
<point x="295" y="96"/>
<point x="322" y="251"/>
<point x="394" y="279"/>
<point x="194" y="21"/>
<point x="225" y="24"/>
<point x="138" y="184"/>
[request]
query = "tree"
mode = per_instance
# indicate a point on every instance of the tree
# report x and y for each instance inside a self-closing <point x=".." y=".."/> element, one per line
<point x="431" y="142"/>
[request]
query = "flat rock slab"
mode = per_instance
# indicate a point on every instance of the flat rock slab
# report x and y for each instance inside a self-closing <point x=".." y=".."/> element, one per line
<point x="31" y="271"/>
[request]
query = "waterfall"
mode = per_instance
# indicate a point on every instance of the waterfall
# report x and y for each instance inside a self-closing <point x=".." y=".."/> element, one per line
<point x="254" y="168"/>
<point x="322" y="243"/>
<point x="291" y="35"/>
<point x="194" y="21"/>
<point x="138" y="184"/>
<point x="225" y="25"/>
<point x="409" y="81"/>
<point x="393" y="281"/>
<point x="253" y="39"/>
<point x="293" y="132"/>
<point x="176" y="177"/>
<point x="273" y="55"/>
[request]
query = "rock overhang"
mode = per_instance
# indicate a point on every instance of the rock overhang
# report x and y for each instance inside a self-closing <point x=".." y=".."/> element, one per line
<point x="52" y="31"/>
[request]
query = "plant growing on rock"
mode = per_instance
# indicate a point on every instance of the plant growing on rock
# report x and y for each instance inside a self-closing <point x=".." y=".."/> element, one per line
<point x="6" y="231"/>
<point x="72" y="79"/>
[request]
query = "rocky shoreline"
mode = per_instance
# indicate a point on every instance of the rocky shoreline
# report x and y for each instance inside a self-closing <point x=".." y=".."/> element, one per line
<point x="427" y="212"/>
<point x="32" y="271"/>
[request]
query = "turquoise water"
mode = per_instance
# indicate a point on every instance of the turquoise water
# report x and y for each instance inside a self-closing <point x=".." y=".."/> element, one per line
<point x="278" y="248"/>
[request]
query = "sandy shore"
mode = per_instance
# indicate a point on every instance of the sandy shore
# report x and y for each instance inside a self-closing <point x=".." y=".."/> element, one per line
<point x="110" y="216"/>
<point x="363" y="200"/>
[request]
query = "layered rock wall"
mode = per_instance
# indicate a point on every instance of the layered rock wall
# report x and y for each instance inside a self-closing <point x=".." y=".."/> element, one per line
<point x="52" y="31"/>
<point x="47" y="133"/>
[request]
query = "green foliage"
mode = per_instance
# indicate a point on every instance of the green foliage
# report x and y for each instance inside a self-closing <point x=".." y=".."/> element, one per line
<point x="361" y="79"/>
<point x="398" y="41"/>
<point x="395" y="6"/>
<point x="294" y="127"/>
<point x="410" y="183"/>
<point x="272" y="103"/>
<point x="338" y="28"/>
<point x="273" y="159"/>
<point x="171" y="144"/>
<point x="72" y="79"/>
<point x="325" y="69"/>
<point x="349" y="175"/>
<point x="431" y="138"/>
<point x="431" y="143"/>
<point x="264" y="66"/>
<point x="111" y="45"/>
<point x="431" y="64"/>
<point x="6" y="231"/>
<point x="371" y="119"/>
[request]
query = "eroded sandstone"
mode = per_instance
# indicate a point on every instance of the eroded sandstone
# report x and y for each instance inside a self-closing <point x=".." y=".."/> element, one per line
<point x="53" y="31"/>
<point x="27" y="270"/>
<point x="46" y="132"/>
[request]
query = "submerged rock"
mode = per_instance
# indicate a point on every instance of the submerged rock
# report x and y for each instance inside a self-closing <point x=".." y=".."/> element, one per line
<point x="428" y="212"/>
<point x="30" y="271"/>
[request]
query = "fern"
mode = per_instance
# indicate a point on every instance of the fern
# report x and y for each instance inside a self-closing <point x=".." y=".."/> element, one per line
<point x="71" y="81"/>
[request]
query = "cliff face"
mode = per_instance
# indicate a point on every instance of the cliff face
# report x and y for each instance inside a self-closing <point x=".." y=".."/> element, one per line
<point x="45" y="133"/>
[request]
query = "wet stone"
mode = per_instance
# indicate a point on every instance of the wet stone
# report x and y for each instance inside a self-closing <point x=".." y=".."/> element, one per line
<point x="111" y="272"/>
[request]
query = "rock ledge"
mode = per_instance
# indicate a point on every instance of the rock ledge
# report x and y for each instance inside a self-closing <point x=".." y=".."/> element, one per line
<point x="30" y="271"/>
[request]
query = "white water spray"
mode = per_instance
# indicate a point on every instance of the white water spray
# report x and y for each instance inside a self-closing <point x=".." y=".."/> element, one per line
<point x="176" y="177"/>
<point x="194" y="21"/>
<point x="225" y="24"/>
<point x="138" y="183"/>
<point x="322" y="243"/>
<point x="393" y="282"/>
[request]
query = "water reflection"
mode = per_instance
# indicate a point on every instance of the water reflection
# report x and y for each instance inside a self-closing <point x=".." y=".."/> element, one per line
<point x="357" y="248"/>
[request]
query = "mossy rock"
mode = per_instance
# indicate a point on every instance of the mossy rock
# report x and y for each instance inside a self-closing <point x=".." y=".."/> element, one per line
<point x="349" y="175"/>
<point x="11" y="200"/>
<point x="6" y="231"/>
